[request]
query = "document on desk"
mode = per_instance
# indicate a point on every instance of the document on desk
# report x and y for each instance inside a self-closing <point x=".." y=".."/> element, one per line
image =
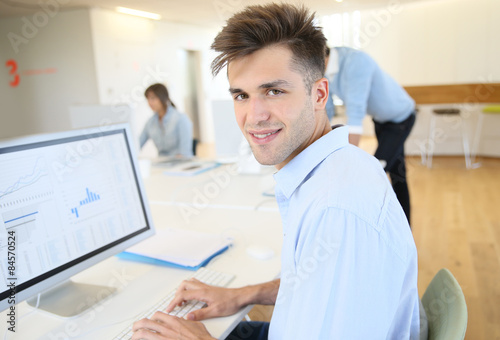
<point x="190" y="168"/>
<point x="179" y="248"/>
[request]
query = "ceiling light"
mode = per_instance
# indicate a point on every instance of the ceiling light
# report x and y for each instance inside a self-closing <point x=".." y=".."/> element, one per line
<point x="135" y="12"/>
<point x="339" y="0"/>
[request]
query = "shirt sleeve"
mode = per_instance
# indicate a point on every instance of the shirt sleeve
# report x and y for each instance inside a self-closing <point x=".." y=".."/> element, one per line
<point x="185" y="136"/>
<point x="346" y="283"/>
<point x="357" y="77"/>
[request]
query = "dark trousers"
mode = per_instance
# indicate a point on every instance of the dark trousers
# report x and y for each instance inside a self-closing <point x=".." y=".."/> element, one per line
<point x="391" y="139"/>
<point x="250" y="330"/>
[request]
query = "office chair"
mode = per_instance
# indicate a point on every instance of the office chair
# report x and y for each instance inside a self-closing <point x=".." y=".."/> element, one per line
<point x="444" y="304"/>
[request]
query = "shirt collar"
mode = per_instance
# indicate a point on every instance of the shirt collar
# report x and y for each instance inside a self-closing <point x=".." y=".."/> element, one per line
<point x="293" y="174"/>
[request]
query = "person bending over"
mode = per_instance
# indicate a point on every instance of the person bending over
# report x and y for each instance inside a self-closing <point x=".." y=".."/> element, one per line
<point x="366" y="89"/>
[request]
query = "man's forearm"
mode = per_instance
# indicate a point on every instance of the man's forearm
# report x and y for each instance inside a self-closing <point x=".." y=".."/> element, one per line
<point x="262" y="294"/>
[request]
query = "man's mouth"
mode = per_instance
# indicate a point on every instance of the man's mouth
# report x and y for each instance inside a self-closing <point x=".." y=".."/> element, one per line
<point x="264" y="135"/>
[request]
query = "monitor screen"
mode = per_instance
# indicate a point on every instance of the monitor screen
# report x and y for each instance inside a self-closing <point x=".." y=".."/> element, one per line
<point x="67" y="201"/>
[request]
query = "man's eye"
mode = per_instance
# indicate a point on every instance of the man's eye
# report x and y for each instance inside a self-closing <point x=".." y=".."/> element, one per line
<point x="275" y="92"/>
<point x="240" y="96"/>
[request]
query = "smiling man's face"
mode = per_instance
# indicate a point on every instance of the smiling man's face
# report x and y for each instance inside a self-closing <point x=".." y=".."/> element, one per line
<point x="273" y="108"/>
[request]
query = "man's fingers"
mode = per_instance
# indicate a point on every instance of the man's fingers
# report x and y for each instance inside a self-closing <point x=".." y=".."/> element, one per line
<point x="157" y="327"/>
<point x="201" y="314"/>
<point x="186" y="295"/>
<point x="147" y="329"/>
<point x="189" y="284"/>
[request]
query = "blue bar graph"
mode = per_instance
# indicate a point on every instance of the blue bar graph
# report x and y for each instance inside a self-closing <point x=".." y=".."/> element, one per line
<point x="91" y="197"/>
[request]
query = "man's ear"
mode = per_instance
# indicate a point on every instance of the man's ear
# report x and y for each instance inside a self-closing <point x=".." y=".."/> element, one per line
<point x="320" y="93"/>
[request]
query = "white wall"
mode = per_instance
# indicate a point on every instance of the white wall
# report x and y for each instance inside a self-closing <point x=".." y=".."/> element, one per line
<point x="56" y="68"/>
<point x="132" y="53"/>
<point x="435" y="42"/>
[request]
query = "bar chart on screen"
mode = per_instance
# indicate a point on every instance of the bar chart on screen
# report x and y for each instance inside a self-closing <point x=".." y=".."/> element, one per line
<point x="90" y="198"/>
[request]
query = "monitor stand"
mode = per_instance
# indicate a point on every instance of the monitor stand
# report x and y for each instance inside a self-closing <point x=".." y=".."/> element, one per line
<point x="70" y="298"/>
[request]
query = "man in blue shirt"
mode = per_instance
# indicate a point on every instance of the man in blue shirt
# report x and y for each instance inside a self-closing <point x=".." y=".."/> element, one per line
<point x="170" y="130"/>
<point x="348" y="262"/>
<point x="366" y="89"/>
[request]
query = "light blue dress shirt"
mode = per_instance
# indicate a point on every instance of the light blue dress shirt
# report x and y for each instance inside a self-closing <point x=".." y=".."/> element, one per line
<point x="366" y="89"/>
<point x="173" y="136"/>
<point x="349" y="261"/>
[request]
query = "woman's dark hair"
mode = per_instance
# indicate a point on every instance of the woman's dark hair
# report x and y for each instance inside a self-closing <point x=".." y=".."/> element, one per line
<point x="257" y="27"/>
<point x="161" y="92"/>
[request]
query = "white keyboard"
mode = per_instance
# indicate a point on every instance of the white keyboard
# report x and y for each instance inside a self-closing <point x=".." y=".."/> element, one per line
<point x="205" y="275"/>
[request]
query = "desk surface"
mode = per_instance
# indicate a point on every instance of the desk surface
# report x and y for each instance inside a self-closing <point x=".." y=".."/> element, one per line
<point x="221" y="187"/>
<point x="141" y="285"/>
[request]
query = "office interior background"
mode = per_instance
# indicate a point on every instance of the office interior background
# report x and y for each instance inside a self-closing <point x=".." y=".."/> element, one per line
<point x="61" y="55"/>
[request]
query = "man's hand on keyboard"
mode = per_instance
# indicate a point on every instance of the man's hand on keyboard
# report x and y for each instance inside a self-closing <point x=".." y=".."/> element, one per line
<point x="162" y="326"/>
<point x="220" y="301"/>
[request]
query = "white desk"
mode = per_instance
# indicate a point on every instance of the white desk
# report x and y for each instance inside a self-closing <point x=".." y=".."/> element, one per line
<point x="221" y="187"/>
<point x="141" y="285"/>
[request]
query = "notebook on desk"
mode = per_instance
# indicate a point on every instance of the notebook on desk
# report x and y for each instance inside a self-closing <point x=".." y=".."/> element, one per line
<point x="179" y="248"/>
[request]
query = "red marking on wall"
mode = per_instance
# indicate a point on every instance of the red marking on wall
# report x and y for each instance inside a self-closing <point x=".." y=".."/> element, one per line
<point x="35" y="72"/>
<point x="11" y="63"/>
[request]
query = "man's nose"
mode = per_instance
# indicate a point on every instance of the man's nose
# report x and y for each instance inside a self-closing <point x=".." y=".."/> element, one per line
<point x="258" y="111"/>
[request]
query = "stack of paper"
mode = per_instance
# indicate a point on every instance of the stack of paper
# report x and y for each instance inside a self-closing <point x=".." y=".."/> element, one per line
<point x="178" y="247"/>
<point x="190" y="168"/>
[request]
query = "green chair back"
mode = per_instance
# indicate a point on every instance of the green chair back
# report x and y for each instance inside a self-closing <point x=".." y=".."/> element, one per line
<point x="444" y="304"/>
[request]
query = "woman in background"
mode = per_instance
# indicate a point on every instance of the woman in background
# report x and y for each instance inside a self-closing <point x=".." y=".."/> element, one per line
<point x="170" y="130"/>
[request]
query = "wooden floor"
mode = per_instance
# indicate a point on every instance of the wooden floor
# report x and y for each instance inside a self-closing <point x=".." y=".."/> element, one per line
<point x="456" y="224"/>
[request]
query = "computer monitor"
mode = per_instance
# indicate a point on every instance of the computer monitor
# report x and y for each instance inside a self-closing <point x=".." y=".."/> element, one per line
<point x="67" y="201"/>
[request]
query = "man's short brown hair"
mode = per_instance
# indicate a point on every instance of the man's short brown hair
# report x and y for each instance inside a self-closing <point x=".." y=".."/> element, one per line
<point x="257" y="27"/>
